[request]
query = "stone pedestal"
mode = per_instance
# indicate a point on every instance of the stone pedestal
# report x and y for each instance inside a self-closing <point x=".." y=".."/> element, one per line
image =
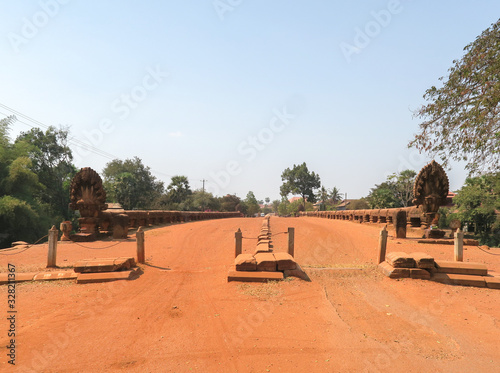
<point x="434" y="233"/>
<point x="88" y="225"/>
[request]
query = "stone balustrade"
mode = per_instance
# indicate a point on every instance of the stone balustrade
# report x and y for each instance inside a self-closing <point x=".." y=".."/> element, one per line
<point x="145" y="218"/>
<point x="415" y="215"/>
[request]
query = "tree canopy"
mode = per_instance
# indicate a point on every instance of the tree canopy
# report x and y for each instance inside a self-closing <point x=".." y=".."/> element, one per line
<point x="396" y="191"/>
<point x="329" y="198"/>
<point x="24" y="215"/>
<point x="358" y="204"/>
<point x="178" y="190"/>
<point x="201" y="200"/>
<point x="230" y="202"/>
<point x="477" y="203"/>
<point x="461" y="119"/>
<point x="322" y="197"/>
<point x="335" y="195"/>
<point x="252" y="204"/>
<point x="51" y="160"/>
<point x="382" y="196"/>
<point x="299" y="180"/>
<point x="402" y="185"/>
<point x="131" y="184"/>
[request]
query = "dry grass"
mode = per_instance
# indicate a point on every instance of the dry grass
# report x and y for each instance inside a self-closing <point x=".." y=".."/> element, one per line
<point x="34" y="286"/>
<point x="343" y="274"/>
<point x="37" y="268"/>
<point x="264" y="291"/>
<point x="339" y="266"/>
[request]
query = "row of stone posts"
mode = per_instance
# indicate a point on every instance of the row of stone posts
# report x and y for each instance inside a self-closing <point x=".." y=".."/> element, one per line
<point x="54" y="236"/>
<point x="458" y="242"/>
<point x="238" y="238"/>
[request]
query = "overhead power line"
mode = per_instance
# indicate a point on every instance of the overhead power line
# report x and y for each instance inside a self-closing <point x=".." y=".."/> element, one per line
<point x="73" y="140"/>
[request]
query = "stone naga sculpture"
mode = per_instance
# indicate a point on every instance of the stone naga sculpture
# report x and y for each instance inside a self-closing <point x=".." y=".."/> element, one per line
<point x="430" y="190"/>
<point x="88" y="196"/>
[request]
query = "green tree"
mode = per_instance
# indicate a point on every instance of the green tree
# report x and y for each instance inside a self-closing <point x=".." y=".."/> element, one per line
<point x="21" y="221"/>
<point x="403" y="186"/>
<point x="396" y="191"/>
<point x="335" y="195"/>
<point x="358" y="204"/>
<point x="229" y="202"/>
<point x="178" y="190"/>
<point x="201" y="200"/>
<point x="299" y="180"/>
<point x="51" y="160"/>
<point x="283" y="207"/>
<point x="461" y="118"/>
<point x="296" y="206"/>
<point x="477" y="203"/>
<point x="323" y="198"/>
<point x="22" y="215"/>
<point x="131" y="184"/>
<point x="252" y="204"/>
<point x="266" y="210"/>
<point x="242" y="207"/>
<point x="275" y="205"/>
<point x="382" y="196"/>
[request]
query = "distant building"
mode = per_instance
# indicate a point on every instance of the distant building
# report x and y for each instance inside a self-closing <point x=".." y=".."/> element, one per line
<point x="344" y="205"/>
<point x="449" y="199"/>
<point x="115" y="207"/>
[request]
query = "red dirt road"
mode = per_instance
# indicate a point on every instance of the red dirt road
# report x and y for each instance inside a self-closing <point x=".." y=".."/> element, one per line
<point x="181" y="315"/>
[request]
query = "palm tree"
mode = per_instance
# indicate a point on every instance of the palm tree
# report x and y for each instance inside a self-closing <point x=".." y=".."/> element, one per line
<point x="322" y="198"/>
<point x="335" y="195"/>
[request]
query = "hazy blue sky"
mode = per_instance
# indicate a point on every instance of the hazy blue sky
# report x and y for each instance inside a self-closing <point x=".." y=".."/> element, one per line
<point x="235" y="91"/>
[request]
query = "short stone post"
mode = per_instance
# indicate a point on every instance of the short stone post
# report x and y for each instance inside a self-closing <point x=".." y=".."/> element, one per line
<point x="238" y="238"/>
<point x="291" y="241"/>
<point x="382" y="245"/>
<point x="459" y="246"/>
<point x="400" y="221"/>
<point x="140" y="245"/>
<point x="53" y="236"/>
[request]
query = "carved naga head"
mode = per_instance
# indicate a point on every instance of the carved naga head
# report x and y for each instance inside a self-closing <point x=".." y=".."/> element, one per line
<point x="87" y="194"/>
<point x="431" y="188"/>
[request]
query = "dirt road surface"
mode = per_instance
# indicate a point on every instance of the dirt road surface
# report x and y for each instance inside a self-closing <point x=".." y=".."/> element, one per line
<point x="181" y="314"/>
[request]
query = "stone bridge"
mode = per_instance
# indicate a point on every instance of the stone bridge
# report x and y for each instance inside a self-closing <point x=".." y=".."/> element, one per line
<point x="146" y="218"/>
<point x="88" y="196"/>
<point x="415" y="215"/>
<point x="430" y="191"/>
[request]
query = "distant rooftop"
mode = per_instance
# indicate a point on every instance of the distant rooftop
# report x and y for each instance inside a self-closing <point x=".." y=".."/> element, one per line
<point x="114" y="206"/>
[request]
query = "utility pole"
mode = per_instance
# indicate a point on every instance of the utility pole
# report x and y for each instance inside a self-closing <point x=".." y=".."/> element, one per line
<point x="203" y="198"/>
